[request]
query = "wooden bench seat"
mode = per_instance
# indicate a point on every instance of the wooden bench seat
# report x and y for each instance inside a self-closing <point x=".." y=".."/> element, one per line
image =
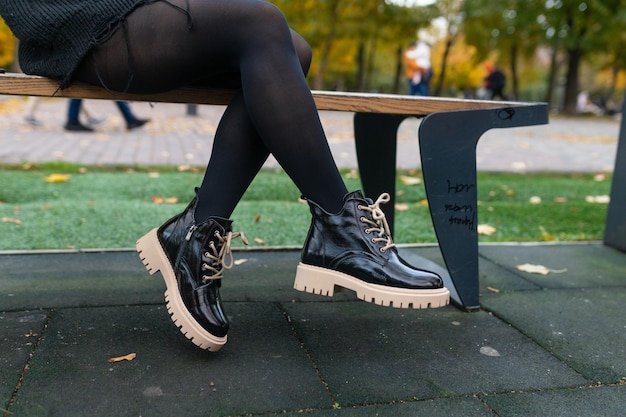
<point x="448" y="137"/>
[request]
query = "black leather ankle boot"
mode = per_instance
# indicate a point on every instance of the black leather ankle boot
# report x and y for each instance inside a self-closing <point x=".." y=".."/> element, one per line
<point x="191" y="258"/>
<point x="353" y="249"/>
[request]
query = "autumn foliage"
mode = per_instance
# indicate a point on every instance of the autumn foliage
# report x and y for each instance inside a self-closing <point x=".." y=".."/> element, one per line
<point x="7" y="45"/>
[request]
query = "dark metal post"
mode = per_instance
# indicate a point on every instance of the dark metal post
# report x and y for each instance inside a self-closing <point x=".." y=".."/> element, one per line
<point x="615" y="229"/>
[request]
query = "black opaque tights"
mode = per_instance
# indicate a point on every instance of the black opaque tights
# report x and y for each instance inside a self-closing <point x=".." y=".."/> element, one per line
<point x="247" y="43"/>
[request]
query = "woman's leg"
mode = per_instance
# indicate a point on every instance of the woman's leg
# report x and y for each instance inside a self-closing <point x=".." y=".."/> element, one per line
<point x="124" y="108"/>
<point x="73" y="123"/>
<point x="132" y="121"/>
<point x="275" y="113"/>
<point x="73" y="110"/>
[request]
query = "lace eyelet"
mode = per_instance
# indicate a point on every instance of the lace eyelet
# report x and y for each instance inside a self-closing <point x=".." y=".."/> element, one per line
<point x="382" y="250"/>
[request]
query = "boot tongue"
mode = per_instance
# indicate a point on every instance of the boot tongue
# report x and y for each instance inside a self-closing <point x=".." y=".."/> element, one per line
<point x="226" y="224"/>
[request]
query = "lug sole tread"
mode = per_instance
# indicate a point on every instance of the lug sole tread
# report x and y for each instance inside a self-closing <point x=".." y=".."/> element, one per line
<point x="323" y="281"/>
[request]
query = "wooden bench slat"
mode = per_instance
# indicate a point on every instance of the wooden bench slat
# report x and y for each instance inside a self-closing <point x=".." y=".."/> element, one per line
<point x="28" y="85"/>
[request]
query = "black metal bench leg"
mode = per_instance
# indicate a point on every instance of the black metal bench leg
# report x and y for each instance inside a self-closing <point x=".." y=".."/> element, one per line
<point x="375" y="137"/>
<point x="448" y="150"/>
<point x="615" y="229"/>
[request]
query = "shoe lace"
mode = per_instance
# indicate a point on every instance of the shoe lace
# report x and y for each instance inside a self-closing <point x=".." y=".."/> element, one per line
<point x="378" y="222"/>
<point x="216" y="255"/>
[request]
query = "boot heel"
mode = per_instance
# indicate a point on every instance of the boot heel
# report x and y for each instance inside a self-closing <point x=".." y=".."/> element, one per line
<point x="314" y="280"/>
<point x="150" y="252"/>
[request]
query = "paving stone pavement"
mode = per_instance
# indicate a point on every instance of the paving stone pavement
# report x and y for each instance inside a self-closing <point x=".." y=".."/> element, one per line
<point x="174" y="138"/>
<point x="540" y="346"/>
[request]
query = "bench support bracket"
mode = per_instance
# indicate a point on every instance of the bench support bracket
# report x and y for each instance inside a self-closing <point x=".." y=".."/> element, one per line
<point x="448" y="143"/>
<point x="615" y="229"/>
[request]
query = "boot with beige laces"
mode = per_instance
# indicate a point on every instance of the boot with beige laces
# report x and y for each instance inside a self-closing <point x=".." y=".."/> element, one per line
<point x="353" y="249"/>
<point x="192" y="258"/>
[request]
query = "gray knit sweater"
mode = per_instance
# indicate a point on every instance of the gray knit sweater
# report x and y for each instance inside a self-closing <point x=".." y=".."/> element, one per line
<point x="55" y="35"/>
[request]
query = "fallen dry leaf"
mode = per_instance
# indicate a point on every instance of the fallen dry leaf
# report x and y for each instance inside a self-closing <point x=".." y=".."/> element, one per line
<point x="491" y="289"/>
<point x="128" y="357"/>
<point x="402" y="207"/>
<point x="257" y="218"/>
<point x="535" y="200"/>
<point x="406" y="180"/>
<point x="600" y="199"/>
<point x="545" y="235"/>
<point x="485" y="229"/>
<point x="539" y="269"/>
<point x="164" y="200"/>
<point x="489" y="351"/>
<point x="57" y="178"/>
<point x="353" y="173"/>
<point x="259" y="241"/>
<point x="240" y="261"/>
<point x="11" y="220"/>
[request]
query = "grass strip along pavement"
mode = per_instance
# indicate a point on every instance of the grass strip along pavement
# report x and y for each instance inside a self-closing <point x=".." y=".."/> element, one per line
<point x="62" y="206"/>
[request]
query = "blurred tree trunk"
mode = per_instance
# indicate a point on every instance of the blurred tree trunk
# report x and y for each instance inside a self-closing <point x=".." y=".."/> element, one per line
<point x="574" y="57"/>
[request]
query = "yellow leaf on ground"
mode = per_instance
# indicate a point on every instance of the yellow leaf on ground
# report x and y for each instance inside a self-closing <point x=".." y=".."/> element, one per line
<point x="11" y="220"/>
<point x="485" y="229"/>
<point x="162" y="200"/>
<point x="259" y="241"/>
<point x="57" y="178"/>
<point x="128" y="357"/>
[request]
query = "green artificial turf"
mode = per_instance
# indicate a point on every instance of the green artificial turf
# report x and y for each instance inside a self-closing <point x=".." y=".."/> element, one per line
<point x="112" y="207"/>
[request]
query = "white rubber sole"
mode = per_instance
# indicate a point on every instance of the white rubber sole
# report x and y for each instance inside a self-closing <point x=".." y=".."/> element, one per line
<point x="322" y="281"/>
<point x="155" y="259"/>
